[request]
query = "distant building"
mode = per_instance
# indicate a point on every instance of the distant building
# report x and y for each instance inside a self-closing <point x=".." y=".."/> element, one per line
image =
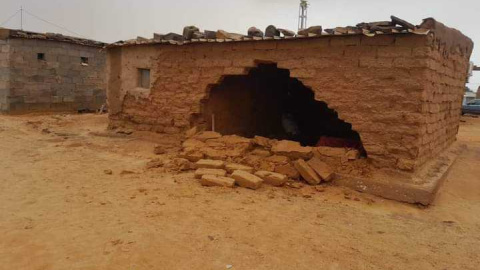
<point x="469" y="96"/>
<point x="50" y="72"/>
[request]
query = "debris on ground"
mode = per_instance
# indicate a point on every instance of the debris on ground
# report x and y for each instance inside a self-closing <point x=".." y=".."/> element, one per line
<point x="307" y="172"/>
<point x="154" y="163"/>
<point x="214" y="180"/>
<point x="215" y="172"/>
<point x="251" y="162"/>
<point x="247" y="180"/>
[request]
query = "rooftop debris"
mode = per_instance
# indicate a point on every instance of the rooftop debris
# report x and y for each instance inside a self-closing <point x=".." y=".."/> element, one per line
<point x="317" y="30"/>
<point x="272" y="31"/>
<point x="255" y="32"/>
<point x="192" y="34"/>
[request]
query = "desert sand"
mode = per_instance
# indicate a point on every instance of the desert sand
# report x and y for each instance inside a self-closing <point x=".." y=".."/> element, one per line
<point x="61" y="209"/>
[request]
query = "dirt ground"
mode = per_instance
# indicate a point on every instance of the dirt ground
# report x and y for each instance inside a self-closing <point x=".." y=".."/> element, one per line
<point x="60" y="210"/>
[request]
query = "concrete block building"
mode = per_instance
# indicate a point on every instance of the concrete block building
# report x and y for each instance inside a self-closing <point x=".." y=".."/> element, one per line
<point x="397" y="91"/>
<point x="50" y="72"/>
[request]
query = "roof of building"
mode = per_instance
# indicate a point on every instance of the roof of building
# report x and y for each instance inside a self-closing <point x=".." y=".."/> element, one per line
<point x="395" y="26"/>
<point x="11" y="33"/>
<point x="449" y="39"/>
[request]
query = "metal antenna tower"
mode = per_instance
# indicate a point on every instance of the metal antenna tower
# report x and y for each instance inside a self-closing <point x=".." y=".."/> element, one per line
<point x="302" y="15"/>
<point x="21" y="18"/>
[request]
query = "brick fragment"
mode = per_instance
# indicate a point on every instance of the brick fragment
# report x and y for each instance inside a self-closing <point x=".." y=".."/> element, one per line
<point x="220" y="181"/>
<point x="203" y="171"/>
<point x="210" y="164"/>
<point x="234" y="167"/>
<point x="337" y="152"/>
<point x="321" y="168"/>
<point x="262" y="141"/>
<point x="271" y="178"/>
<point x="261" y="153"/>
<point x="193" y="143"/>
<point x="352" y="154"/>
<point x="181" y="164"/>
<point x="307" y="172"/>
<point x="191" y="132"/>
<point x="292" y="150"/>
<point x="288" y="170"/>
<point x="264" y="165"/>
<point x="206" y="135"/>
<point x="192" y="156"/>
<point x="247" y="180"/>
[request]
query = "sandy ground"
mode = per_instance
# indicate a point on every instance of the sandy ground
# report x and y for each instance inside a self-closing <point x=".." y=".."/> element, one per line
<point x="60" y="210"/>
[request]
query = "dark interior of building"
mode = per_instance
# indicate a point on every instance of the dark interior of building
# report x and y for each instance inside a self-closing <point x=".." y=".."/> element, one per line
<point x="267" y="102"/>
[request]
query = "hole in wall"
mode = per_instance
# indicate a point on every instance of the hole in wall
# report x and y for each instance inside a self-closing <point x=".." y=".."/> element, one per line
<point x="268" y="102"/>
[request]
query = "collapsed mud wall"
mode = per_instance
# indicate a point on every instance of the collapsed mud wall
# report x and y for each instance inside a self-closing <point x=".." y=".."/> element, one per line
<point x="49" y="75"/>
<point x="378" y="84"/>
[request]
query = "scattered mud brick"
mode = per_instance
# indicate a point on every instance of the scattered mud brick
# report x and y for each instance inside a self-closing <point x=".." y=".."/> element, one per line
<point x="203" y="171"/>
<point x="307" y="172"/>
<point x="247" y="180"/>
<point x="330" y="151"/>
<point x="261" y="153"/>
<point x="210" y="164"/>
<point x="292" y="149"/>
<point x="206" y="135"/>
<point x="214" y="180"/>
<point x="321" y="168"/>
<point x="271" y="178"/>
<point x="288" y="170"/>
<point x="231" y="167"/>
<point x="155" y="163"/>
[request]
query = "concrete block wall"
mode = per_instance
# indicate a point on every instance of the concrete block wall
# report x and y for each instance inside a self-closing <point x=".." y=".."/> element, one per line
<point x="4" y="74"/>
<point x="60" y="82"/>
<point x="378" y="84"/>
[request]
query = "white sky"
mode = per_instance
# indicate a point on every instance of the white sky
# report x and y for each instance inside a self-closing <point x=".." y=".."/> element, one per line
<point x="113" y="20"/>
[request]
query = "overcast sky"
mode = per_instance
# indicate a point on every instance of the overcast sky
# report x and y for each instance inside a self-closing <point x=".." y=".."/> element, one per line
<point x="113" y="20"/>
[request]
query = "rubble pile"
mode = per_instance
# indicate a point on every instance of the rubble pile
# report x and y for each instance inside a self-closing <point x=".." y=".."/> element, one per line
<point x="233" y="160"/>
<point x="194" y="34"/>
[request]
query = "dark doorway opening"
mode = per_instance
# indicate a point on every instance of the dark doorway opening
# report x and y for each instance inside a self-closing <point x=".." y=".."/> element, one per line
<point x="268" y="102"/>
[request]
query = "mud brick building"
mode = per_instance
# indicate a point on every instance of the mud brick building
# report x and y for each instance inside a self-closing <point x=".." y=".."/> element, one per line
<point x="50" y="72"/>
<point x="398" y="90"/>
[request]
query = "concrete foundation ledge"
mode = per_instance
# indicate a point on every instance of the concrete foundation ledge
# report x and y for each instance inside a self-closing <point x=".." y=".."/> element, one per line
<point x="420" y="187"/>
